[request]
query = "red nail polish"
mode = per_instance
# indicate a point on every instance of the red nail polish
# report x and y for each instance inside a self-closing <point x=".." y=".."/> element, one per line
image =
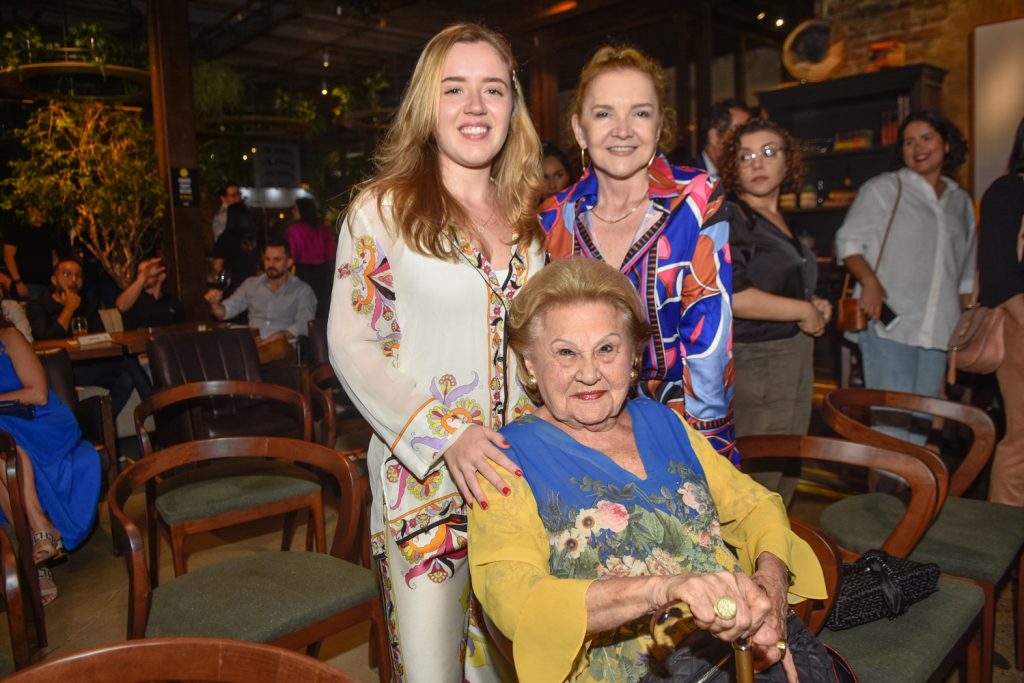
<point x="470" y="506"/>
<point x="504" y="444"/>
<point x="519" y="473"/>
<point x="483" y="505"/>
<point x="506" y="490"/>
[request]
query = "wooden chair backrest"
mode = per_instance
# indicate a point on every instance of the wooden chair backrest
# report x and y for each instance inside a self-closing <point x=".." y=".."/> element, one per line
<point x="146" y="470"/>
<point x="923" y="486"/>
<point x="170" y="396"/>
<point x="321" y="382"/>
<point x="23" y="533"/>
<point x="837" y="404"/>
<point x="183" y="659"/>
<point x="15" y="603"/>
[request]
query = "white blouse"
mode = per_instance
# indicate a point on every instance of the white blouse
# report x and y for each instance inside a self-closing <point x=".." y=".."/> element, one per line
<point x="929" y="259"/>
<point x="419" y="345"/>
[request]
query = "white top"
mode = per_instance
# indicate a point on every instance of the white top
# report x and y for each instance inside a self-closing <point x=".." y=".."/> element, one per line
<point x="929" y="259"/>
<point x="15" y="312"/>
<point x="419" y="345"/>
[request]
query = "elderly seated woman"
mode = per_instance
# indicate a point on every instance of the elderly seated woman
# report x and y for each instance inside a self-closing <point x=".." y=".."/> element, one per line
<point x="622" y="507"/>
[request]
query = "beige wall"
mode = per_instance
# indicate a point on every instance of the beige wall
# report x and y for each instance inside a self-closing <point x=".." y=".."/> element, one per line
<point x="935" y="31"/>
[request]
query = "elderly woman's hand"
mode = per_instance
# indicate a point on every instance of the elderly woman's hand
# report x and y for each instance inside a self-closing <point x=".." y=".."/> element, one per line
<point x="772" y="577"/>
<point x="702" y="592"/>
<point x="474" y="451"/>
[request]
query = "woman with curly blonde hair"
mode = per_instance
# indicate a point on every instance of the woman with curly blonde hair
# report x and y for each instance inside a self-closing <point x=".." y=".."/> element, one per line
<point x="774" y="277"/>
<point x="432" y="251"/>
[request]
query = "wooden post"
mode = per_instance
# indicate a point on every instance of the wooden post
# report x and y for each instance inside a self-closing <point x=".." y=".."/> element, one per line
<point x="703" y="66"/>
<point x="170" y="68"/>
<point x="544" y="92"/>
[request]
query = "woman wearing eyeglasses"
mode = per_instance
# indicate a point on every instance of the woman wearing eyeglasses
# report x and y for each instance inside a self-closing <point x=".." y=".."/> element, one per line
<point x="774" y="275"/>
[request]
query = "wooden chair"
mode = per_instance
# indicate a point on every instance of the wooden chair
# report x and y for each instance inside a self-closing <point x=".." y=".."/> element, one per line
<point x="183" y="659"/>
<point x="15" y="608"/>
<point x="23" y="537"/>
<point x="292" y="599"/>
<point x="94" y="414"/>
<point x="319" y="358"/>
<point x="936" y="632"/>
<point x="975" y="539"/>
<point x="218" y="355"/>
<point x="221" y="496"/>
<point x="815" y="612"/>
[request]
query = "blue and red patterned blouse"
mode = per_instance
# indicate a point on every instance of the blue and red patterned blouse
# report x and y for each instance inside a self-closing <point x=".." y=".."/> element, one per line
<point x="681" y="267"/>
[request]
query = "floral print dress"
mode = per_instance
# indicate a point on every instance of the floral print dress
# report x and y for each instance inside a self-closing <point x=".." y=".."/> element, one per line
<point x="580" y="517"/>
<point x="419" y="345"/>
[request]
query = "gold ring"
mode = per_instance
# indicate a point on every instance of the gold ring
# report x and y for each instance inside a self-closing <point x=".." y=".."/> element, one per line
<point x="726" y="608"/>
<point x="782" y="647"/>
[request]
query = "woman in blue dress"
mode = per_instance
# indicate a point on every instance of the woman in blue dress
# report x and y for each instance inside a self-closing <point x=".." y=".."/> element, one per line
<point x="62" y="470"/>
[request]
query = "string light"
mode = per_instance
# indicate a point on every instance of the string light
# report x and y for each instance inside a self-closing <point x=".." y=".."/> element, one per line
<point x="323" y="87"/>
<point x="779" y="22"/>
<point x="760" y="16"/>
<point x="327" y="58"/>
<point x="245" y="157"/>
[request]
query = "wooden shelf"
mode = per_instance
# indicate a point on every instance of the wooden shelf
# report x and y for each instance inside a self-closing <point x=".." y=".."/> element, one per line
<point x="877" y="149"/>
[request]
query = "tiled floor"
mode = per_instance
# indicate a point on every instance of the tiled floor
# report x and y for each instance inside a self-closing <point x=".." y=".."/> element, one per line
<point x="92" y="607"/>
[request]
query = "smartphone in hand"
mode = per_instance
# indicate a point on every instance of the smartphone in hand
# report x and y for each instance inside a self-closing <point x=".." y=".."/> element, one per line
<point x="888" y="318"/>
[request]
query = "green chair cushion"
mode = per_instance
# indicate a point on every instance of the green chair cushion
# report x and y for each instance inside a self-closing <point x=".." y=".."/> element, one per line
<point x="972" y="538"/>
<point x="223" y="487"/>
<point x="911" y="647"/>
<point x="260" y="597"/>
<point x="6" y="665"/>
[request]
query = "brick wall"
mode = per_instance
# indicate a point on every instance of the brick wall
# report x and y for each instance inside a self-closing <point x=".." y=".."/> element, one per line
<point x="935" y="31"/>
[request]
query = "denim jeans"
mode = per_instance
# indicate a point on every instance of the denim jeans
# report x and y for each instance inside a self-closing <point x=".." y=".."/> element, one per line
<point x="894" y="366"/>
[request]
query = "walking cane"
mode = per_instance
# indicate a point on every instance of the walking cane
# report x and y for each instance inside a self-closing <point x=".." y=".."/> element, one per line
<point x="674" y="623"/>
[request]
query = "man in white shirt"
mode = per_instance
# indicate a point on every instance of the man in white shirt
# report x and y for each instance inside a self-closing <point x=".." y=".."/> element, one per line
<point x="231" y="194"/>
<point x="280" y="306"/>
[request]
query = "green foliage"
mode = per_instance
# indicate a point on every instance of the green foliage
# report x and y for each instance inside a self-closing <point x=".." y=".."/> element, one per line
<point x="92" y="170"/>
<point x="93" y="39"/>
<point x="20" y="46"/>
<point x="216" y="90"/>
<point x="294" y="105"/>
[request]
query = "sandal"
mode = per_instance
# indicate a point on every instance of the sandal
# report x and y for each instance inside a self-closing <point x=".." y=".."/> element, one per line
<point x="47" y="587"/>
<point x="46" y="546"/>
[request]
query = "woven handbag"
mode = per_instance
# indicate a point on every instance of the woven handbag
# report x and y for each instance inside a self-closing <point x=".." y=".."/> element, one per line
<point x="879" y="585"/>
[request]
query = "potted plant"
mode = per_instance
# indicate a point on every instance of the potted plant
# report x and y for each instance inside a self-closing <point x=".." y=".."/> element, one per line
<point x="93" y="171"/>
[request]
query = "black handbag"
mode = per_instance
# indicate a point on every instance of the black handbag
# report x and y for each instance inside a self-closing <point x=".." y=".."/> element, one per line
<point x="25" y="411"/>
<point x="701" y="658"/>
<point x="879" y="585"/>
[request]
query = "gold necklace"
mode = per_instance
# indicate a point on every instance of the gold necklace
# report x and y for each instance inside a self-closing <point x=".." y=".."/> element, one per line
<point x="623" y="216"/>
<point x="480" y="227"/>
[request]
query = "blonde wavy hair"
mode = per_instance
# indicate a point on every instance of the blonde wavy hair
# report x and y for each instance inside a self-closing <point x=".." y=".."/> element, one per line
<point x="613" y="57"/>
<point x="407" y="167"/>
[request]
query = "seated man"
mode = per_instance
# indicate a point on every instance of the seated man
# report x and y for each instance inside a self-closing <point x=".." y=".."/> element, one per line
<point x="145" y="304"/>
<point x="280" y="306"/>
<point x="50" y="318"/>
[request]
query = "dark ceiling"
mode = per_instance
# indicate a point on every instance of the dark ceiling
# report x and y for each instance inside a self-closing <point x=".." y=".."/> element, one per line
<point x="279" y="44"/>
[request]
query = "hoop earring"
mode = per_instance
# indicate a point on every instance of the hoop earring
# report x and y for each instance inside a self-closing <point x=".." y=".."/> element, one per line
<point x="651" y="160"/>
<point x="583" y="159"/>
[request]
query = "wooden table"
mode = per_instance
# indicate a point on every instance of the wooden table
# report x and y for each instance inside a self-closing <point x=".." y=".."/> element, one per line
<point x="133" y="343"/>
<point x="78" y="352"/>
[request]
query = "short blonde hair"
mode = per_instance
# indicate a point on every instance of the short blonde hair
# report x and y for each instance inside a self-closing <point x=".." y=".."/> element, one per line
<point x="573" y="281"/>
<point x="614" y="57"/>
<point x="407" y="165"/>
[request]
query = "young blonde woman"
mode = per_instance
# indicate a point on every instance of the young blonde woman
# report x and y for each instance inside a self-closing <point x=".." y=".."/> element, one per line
<point x="432" y="250"/>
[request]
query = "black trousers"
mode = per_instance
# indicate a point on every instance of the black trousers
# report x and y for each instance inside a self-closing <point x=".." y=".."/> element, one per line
<point x="118" y="375"/>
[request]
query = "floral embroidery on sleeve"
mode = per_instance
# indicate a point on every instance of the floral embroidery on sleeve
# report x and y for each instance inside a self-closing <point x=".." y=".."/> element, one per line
<point x="373" y="292"/>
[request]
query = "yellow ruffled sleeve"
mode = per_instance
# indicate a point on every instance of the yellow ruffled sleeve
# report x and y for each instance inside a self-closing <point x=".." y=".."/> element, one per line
<point x="754" y="521"/>
<point x="544" y="616"/>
